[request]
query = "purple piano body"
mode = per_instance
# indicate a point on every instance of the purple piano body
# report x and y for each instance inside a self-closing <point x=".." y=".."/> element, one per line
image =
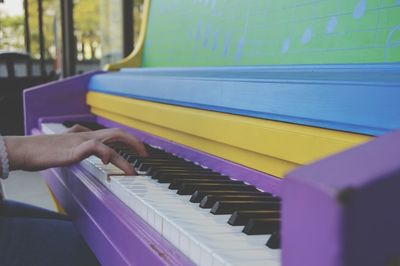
<point x="337" y="211"/>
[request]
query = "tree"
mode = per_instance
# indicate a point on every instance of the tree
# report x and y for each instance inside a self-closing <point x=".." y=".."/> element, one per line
<point x="11" y="32"/>
<point x="87" y="25"/>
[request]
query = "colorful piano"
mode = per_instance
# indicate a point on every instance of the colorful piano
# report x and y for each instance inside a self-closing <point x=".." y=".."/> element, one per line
<point x="288" y="109"/>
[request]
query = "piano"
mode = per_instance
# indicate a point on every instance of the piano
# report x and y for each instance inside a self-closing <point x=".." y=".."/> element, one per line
<point x="251" y="163"/>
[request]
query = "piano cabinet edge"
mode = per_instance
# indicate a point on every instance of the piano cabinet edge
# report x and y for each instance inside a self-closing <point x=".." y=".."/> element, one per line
<point x="63" y="97"/>
<point x="115" y="234"/>
<point x="342" y="210"/>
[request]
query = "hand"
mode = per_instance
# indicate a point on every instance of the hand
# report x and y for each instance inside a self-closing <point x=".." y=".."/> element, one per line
<point x="34" y="153"/>
<point x="77" y="128"/>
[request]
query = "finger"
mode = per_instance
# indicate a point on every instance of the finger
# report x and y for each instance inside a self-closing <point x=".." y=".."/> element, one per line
<point x="109" y="136"/>
<point x="121" y="163"/>
<point x="77" y="128"/>
<point x="105" y="153"/>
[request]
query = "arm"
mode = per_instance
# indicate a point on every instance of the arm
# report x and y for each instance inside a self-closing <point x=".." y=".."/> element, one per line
<point x="33" y="153"/>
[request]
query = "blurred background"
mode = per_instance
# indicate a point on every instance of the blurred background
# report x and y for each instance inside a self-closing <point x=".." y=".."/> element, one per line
<point x="67" y="37"/>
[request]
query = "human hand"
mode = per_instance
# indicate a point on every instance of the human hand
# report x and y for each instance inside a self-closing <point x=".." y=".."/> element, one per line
<point x="77" y="128"/>
<point x="45" y="151"/>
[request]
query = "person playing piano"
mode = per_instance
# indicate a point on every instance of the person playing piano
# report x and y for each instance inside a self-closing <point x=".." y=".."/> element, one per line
<point x="33" y="236"/>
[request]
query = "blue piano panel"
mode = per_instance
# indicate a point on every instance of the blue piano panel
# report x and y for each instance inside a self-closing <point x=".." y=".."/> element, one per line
<point x="356" y="98"/>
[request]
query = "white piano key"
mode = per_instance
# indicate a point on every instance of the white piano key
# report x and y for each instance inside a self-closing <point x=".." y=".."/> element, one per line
<point x="184" y="243"/>
<point x="158" y="222"/>
<point x="206" y="257"/>
<point x="101" y="172"/>
<point x="218" y="261"/>
<point x="205" y="238"/>
<point x="53" y="128"/>
<point x="194" y="251"/>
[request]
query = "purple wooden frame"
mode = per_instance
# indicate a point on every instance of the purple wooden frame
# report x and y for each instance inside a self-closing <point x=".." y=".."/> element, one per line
<point x="342" y="210"/>
<point x="57" y="98"/>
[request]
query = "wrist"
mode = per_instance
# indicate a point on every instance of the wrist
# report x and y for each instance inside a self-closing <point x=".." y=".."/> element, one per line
<point x="15" y="156"/>
<point x="4" y="165"/>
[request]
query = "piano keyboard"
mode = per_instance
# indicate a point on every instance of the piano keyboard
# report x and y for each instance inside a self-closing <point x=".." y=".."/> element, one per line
<point x="212" y="219"/>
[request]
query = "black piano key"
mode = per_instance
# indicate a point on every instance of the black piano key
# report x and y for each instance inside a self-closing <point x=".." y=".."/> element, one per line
<point x="167" y="157"/>
<point x="160" y="156"/>
<point x="188" y="189"/>
<point x="261" y="226"/>
<point x="274" y="241"/>
<point x="159" y="161"/>
<point x="155" y="172"/>
<point x="145" y="166"/>
<point x="163" y="155"/>
<point x="136" y="159"/>
<point x="209" y="200"/>
<point x="176" y="183"/>
<point x="187" y="171"/>
<point x="228" y="207"/>
<point x="133" y="158"/>
<point x="242" y="217"/>
<point x="165" y="161"/>
<point x="170" y="167"/>
<point x="153" y="151"/>
<point x="201" y="177"/>
<point x="195" y="169"/>
<point x="198" y="195"/>
<point x="130" y="156"/>
<point x="89" y="125"/>
<point x="167" y="173"/>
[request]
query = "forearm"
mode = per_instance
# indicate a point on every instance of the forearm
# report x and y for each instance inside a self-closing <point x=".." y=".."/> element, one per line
<point x="4" y="165"/>
<point x="34" y="153"/>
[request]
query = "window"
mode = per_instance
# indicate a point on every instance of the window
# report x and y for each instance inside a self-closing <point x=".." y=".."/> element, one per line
<point x="99" y="32"/>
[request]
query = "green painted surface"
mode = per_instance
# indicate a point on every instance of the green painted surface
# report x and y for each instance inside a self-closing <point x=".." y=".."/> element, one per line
<point x="265" y="32"/>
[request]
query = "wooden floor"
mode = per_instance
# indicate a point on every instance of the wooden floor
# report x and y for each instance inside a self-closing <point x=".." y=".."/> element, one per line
<point x="28" y="187"/>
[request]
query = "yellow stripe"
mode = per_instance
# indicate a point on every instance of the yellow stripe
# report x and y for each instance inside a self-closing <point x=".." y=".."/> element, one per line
<point x="248" y="158"/>
<point x="268" y="146"/>
<point x="135" y="58"/>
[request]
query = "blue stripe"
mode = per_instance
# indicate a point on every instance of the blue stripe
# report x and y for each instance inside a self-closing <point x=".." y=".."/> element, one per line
<point x="355" y="98"/>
